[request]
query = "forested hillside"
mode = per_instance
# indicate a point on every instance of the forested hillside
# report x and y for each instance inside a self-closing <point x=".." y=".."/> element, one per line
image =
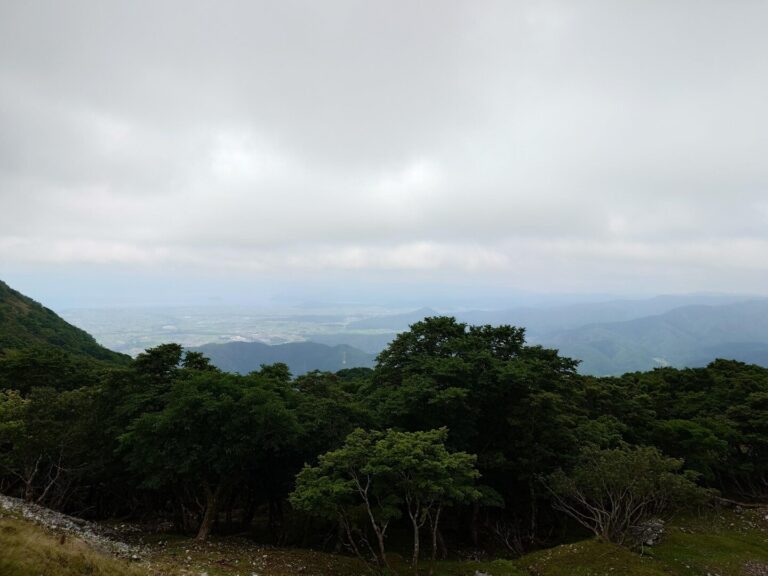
<point x="26" y="324"/>
<point x="687" y="336"/>
<point x="460" y="438"/>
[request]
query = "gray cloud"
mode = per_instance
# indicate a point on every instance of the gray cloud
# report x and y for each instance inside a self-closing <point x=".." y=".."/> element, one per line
<point x="587" y="145"/>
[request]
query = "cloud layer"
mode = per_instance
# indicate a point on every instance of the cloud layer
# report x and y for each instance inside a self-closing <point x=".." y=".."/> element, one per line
<point x="577" y="145"/>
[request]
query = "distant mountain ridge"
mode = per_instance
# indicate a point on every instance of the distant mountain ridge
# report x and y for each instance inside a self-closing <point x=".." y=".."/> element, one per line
<point x="537" y="320"/>
<point x="301" y="357"/>
<point x="613" y="337"/>
<point x="609" y="338"/>
<point x="540" y="322"/>
<point x="25" y="323"/>
<point x="689" y="336"/>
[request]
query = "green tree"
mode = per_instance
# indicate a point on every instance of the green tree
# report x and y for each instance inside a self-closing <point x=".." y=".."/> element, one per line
<point x="159" y="363"/>
<point x="693" y="441"/>
<point x="197" y="361"/>
<point x="610" y="491"/>
<point x="210" y="433"/>
<point x="516" y="407"/>
<point x="30" y="368"/>
<point x="379" y="474"/>
<point x="750" y="420"/>
<point x="42" y="440"/>
<point x="327" y="412"/>
<point x="426" y="475"/>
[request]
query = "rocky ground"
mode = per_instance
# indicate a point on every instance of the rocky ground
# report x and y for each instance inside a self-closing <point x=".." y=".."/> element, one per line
<point x="98" y="536"/>
<point x="721" y="542"/>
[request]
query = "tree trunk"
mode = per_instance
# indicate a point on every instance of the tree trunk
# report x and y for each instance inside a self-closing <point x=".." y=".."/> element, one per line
<point x="275" y="522"/>
<point x="345" y="531"/>
<point x="228" y="516"/>
<point x="178" y="515"/>
<point x="474" y="524"/>
<point x="441" y="545"/>
<point x="30" y="472"/>
<point x="248" y="513"/>
<point x="211" y="508"/>
<point x="380" y="538"/>
<point x="415" y="557"/>
<point x="282" y="533"/>
<point x="340" y="537"/>
<point x="435" y="531"/>
<point x="29" y="493"/>
<point x="379" y="530"/>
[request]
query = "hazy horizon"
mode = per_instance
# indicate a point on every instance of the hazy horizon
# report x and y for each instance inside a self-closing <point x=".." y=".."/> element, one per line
<point x="394" y="153"/>
<point x="71" y="290"/>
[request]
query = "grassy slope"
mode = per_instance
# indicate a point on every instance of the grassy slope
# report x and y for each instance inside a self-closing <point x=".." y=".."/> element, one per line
<point x="717" y="544"/>
<point x="726" y="544"/>
<point x="25" y="323"/>
<point x="721" y="544"/>
<point x="28" y="550"/>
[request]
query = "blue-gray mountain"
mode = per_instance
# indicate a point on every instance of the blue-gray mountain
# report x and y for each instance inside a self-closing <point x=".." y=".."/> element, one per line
<point x="541" y="321"/>
<point x="615" y="337"/>
<point x="690" y="336"/>
<point x="301" y="357"/>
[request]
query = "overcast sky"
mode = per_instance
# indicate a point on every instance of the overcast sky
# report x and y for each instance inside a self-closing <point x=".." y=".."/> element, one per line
<point x="612" y="147"/>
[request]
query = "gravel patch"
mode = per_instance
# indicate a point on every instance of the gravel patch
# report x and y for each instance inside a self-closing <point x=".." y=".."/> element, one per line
<point x="97" y="536"/>
<point x="756" y="569"/>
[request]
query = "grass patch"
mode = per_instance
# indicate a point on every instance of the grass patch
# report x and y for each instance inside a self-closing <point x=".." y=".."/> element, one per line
<point x="28" y="550"/>
<point x="718" y="544"/>
<point x="723" y="544"/>
<point x="590" y="558"/>
<point x="493" y="567"/>
<point x="228" y="556"/>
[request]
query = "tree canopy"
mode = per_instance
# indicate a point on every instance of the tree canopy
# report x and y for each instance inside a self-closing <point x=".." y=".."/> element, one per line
<point x="464" y="435"/>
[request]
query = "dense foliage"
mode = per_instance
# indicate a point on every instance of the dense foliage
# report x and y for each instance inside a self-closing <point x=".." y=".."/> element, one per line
<point x="611" y="491"/>
<point x="26" y="324"/>
<point x="376" y="475"/>
<point x="463" y="435"/>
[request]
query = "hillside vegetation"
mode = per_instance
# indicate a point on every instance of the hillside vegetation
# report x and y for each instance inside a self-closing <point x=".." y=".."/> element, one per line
<point x="688" y="336"/>
<point x="26" y="324"/>
<point x="462" y="441"/>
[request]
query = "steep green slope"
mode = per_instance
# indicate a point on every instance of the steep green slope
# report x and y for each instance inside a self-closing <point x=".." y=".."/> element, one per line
<point x="25" y="324"/>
